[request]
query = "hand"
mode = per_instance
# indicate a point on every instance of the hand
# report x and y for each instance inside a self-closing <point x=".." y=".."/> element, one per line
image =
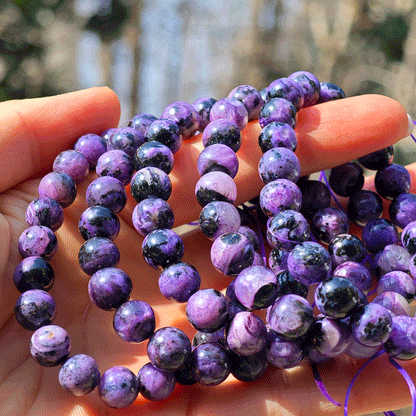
<point x="34" y="131"/>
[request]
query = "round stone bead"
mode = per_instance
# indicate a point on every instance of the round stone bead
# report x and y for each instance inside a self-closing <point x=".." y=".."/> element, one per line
<point x="207" y="310"/>
<point x="46" y="212"/>
<point x="402" y="209"/>
<point x="98" y="221"/>
<point x="357" y="273"/>
<point x="364" y="206"/>
<point x="218" y="157"/>
<point x="73" y="163"/>
<point x="287" y="229"/>
<point x="399" y="282"/>
<point x="150" y="182"/>
<point x="394" y="302"/>
<point x="291" y="316"/>
<point x="162" y="248"/>
<point x="118" y="387"/>
<point x="179" y="281"/>
<point x="203" y="107"/>
<point x="248" y="368"/>
<point x="278" y="260"/>
<point x="92" y="147"/>
<point x="169" y="349"/>
<point x="34" y="308"/>
<point x="106" y="134"/>
<point x="378" y="159"/>
<point x="141" y="122"/>
<point x="392" y="180"/>
<point x="328" y="223"/>
<point x="98" y="253"/>
<point x="155" y="384"/>
<point x="151" y="214"/>
<point x="309" y="263"/>
<point x="50" y="345"/>
<point x="109" y="288"/>
<point x="33" y="273"/>
<point x="330" y="92"/>
<point x="279" y="110"/>
<point x="217" y="218"/>
<point x="231" y="110"/>
<point x="379" y="233"/>
<point x="279" y="195"/>
<point x="288" y="285"/>
<point x="402" y="341"/>
<point x="222" y="131"/>
<point x="58" y="186"/>
<point x="37" y="240"/>
<point x="408" y="237"/>
<point x="210" y="364"/>
<point x="251" y="99"/>
<point x="310" y="85"/>
<point x="315" y="197"/>
<point x="282" y="352"/>
<point x="204" y="337"/>
<point x="215" y="186"/>
<point x="277" y="134"/>
<point x="108" y="192"/>
<point x="153" y="154"/>
<point x="117" y="164"/>
<point x="279" y="163"/>
<point x="79" y="375"/>
<point x="185" y="116"/>
<point x="126" y="139"/>
<point x="251" y="235"/>
<point x="165" y="132"/>
<point x="346" y="247"/>
<point x="231" y="253"/>
<point x="392" y="257"/>
<point x="287" y="89"/>
<point x="134" y="321"/>
<point x="346" y="179"/>
<point x="234" y="304"/>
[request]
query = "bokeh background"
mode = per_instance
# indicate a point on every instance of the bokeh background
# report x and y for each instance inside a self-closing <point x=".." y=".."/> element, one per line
<point x="154" y="52"/>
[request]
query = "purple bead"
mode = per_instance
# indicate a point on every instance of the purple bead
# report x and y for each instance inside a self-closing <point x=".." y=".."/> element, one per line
<point x="379" y="233"/>
<point x="106" y="134"/>
<point x="287" y="89"/>
<point x="278" y="260"/>
<point x="250" y="234"/>
<point x="126" y="139"/>
<point x="279" y="195"/>
<point x="234" y="304"/>
<point x="219" y="218"/>
<point x="92" y="147"/>
<point x="330" y="92"/>
<point x="108" y="192"/>
<point x="166" y="132"/>
<point x="328" y="223"/>
<point x="231" y="253"/>
<point x="212" y="337"/>
<point x="310" y="86"/>
<point x="279" y="110"/>
<point x="118" y="387"/>
<point x="251" y="99"/>
<point x="392" y="180"/>
<point x="203" y="108"/>
<point x="73" y="163"/>
<point x="50" y="345"/>
<point x="154" y="154"/>
<point x="378" y="159"/>
<point x="393" y="257"/>
<point x="210" y="364"/>
<point x="402" y="209"/>
<point x="179" y="282"/>
<point x="248" y="368"/>
<point x="161" y="248"/>
<point x="279" y="163"/>
<point x="79" y="375"/>
<point x="151" y="214"/>
<point x="34" y="309"/>
<point x="402" y="341"/>
<point x="117" y="164"/>
<point x="109" y="288"/>
<point x="207" y="310"/>
<point x="215" y="186"/>
<point x="315" y="196"/>
<point x="399" y="282"/>
<point x="357" y="273"/>
<point x="408" y="237"/>
<point x="346" y="179"/>
<point x="231" y="110"/>
<point x="282" y="352"/>
<point x="134" y="321"/>
<point x="33" y="273"/>
<point x="364" y="206"/>
<point x="58" y="186"/>
<point x="291" y="316"/>
<point x="218" y="157"/>
<point x="45" y="211"/>
<point x="287" y="229"/>
<point x="155" y="384"/>
<point x="98" y="253"/>
<point x="150" y="182"/>
<point x="169" y="349"/>
<point x="309" y="263"/>
<point x="277" y="134"/>
<point x="185" y="116"/>
<point x="394" y="302"/>
<point x="142" y="122"/>
<point x="222" y="131"/>
<point x="98" y="221"/>
<point x="246" y="334"/>
<point x="288" y="285"/>
<point x="38" y="240"/>
<point x="346" y="247"/>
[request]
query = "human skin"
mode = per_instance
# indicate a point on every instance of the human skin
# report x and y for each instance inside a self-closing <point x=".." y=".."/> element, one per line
<point x="34" y="131"/>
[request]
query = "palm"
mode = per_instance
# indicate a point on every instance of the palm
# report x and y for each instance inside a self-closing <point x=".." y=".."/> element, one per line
<point x="27" y="388"/>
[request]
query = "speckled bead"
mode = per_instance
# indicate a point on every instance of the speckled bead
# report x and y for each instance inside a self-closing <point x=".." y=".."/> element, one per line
<point x="248" y="368"/>
<point x="346" y="247"/>
<point x="73" y="163"/>
<point x="215" y="186"/>
<point x="399" y="282"/>
<point x="379" y="233"/>
<point x="278" y="260"/>
<point x="378" y="159"/>
<point x="394" y="302"/>
<point x="287" y="89"/>
<point x="204" y="337"/>
<point x="392" y="257"/>
<point x="106" y="134"/>
<point x="33" y="273"/>
<point x="58" y="186"/>
<point x="118" y="387"/>
<point x="288" y="285"/>
<point x="141" y="122"/>
<point x="364" y="206"/>
<point x="179" y="281"/>
<point x="328" y="223"/>
<point x="402" y="341"/>
<point x="330" y="92"/>
<point x="203" y="107"/>
<point x="222" y="131"/>
<point x="279" y="163"/>
<point x="134" y="321"/>
<point x="108" y="192"/>
<point x="346" y="179"/>
<point x="37" y="240"/>
<point x="166" y="132"/>
<point x="185" y="116"/>
<point x="315" y="196"/>
<point x="251" y="99"/>
<point x="250" y="234"/>
<point x="279" y="110"/>
<point x="310" y="85"/>
<point x="277" y="134"/>
<point x="98" y="221"/>
<point x="126" y="139"/>
<point x="45" y="211"/>
<point x="155" y="384"/>
<point x="154" y="154"/>
<point x="34" y="308"/>
<point x="392" y="180"/>
<point x="357" y="273"/>
<point x="402" y="209"/>
<point x="79" y="375"/>
<point x="218" y="157"/>
<point x="282" y="352"/>
<point x="92" y="147"/>
<point x="50" y="345"/>
<point x="98" y="253"/>
<point x="117" y="164"/>
<point x="408" y="237"/>
<point x="150" y="182"/>
<point x="231" y="110"/>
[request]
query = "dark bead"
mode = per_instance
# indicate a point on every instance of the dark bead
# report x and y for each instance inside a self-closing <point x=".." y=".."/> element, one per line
<point x="310" y="85"/>
<point x="287" y="285"/>
<point x="315" y="196"/>
<point x="142" y="122"/>
<point x="45" y="211"/>
<point x="277" y="134"/>
<point x="346" y="179"/>
<point x="379" y="233"/>
<point x="126" y="139"/>
<point x="346" y="247"/>
<point x="248" y="368"/>
<point x="222" y="132"/>
<point x="287" y="89"/>
<point x="99" y="221"/>
<point x="280" y="110"/>
<point x="392" y="180"/>
<point x="33" y="273"/>
<point x="166" y="132"/>
<point x="330" y="92"/>
<point x="402" y="209"/>
<point x="378" y="159"/>
<point x="150" y="182"/>
<point x="153" y="154"/>
<point x="364" y="206"/>
<point x="203" y="108"/>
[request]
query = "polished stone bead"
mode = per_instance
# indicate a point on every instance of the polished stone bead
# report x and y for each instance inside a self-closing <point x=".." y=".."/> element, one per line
<point x="218" y="157"/>
<point x="141" y="122"/>
<point x="310" y="85"/>
<point x="399" y="282"/>
<point x="58" y="186"/>
<point x="392" y="257"/>
<point x="154" y="154"/>
<point x="222" y="131"/>
<point x="378" y="159"/>
<point x="346" y="247"/>
<point x="357" y="273"/>
<point x="150" y="182"/>
<point x="38" y="240"/>
<point x="279" y="110"/>
<point x="392" y="180"/>
<point x="282" y="352"/>
<point x="98" y="221"/>
<point x="279" y="163"/>
<point x="45" y="211"/>
<point x="215" y="186"/>
<point x="155" y="384"/>
<point x="394" y="302"/>
<point x="402" y="209"/>
<point x="73" y="163"/>
<point x="251" y="99"/>
<point x="379" y="233"/>
<point x="126" y="139"/>
<point x="203" y="107"/>
<point x="315" y="197"/>
<point x="92" y="147"/>
<point x="248" y="368"/>
<point x="287" y="89"/>
<point x="402" y="341"/>
<point x="330" y="92"/>
<point x="117" y="164"/>
<point x="231" y="110"/>
<point x="185" y="116"/>
<point x="166" y="132"/>
<point x="33" y="273"/>
<point x="277" y="134"/>
<point x="108" y="192"/>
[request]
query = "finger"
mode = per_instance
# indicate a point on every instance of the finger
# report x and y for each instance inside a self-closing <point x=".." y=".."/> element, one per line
<point x="34" y="131"/>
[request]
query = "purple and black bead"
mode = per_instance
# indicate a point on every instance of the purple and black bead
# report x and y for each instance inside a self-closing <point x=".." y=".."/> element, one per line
<point x="46" y="212"/>
<point x="379" y="233"/>
<point x="58" y="186"/>
<point x="218" y="157"/>
<point x="378" y="159"/>
<point x="165" y="132"/>
<point x="287" y="89"/>
<point x="310" y="85"/>
<point x="231" y="110"/>
<point x="346" y="179"/>
<point x="277" y="134"/>
<point x="279" y="110"/>
<point x="399" y="282"/>
<point x="185" y="116"/>
<point x="98" y="221"/>
<point x="315" y="197"/>
<point x="402" y="209"/>
<point x="279" y="163"/>
<point x="392" y="180"/>
<point x="38" y="240"/>
<point x="251" y="99"/>
<point x="330" y="92"/>
<point x="346" y="247"/>
<point x="155" y="384"/>
<point x="150" y="182"/>
<point x="117" y="164"/>
<point x="108" y="192"/>
<point x="215" y="186"/>
<point x="154" y="154"/>
<point x="73" y="163"/>
<point x="364" y="206"/>
<point x="328" y="223"/>
<point x="222" y="131"/>
<point x="92" y="147"/>
<point x="33" y="273"/>
<point x="141" y="122"/>
<point x="126" y="139"/>
<point x="203" y="107"/>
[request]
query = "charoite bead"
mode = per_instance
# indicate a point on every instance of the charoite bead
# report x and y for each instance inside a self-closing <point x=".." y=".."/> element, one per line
<point x="278" y="110"/>
<point x="92" y="147"/>
<point x="215" y="186"/>
<point x="33" y="273"/>
<point x="38" y="240"/>
<point x="248" y="368"/>
<point x="251" y="99"/>
<point x="117" y="164"/>
<point x="231" y="110"/>
<point x="203" y="107"/>
<point x="45" y="211"/>
<point x="58" y="186"/>
<point x="279" y="163"/>
<point x="155" y="384"/>
<point x="108" y="192"/>
<point x="153" y="154"/>
<point x="99" y="221"/>
<point x="141" y="122"/>
<point x="277" y="134"/>
<point x="73" y="163"/>
<point x="222" y="131"/>
<point x="287" y="89"/>
<point x="150" y="182"/>
<point x="185" y="116"/>
<point x="218" y="157"/>
<point x="126" y="139"/>
<point x="166" y="132"/>
<point x="310" y="85"/>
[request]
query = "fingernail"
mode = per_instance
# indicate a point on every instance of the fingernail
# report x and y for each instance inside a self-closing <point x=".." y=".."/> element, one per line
<point x="411" y="125"/>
